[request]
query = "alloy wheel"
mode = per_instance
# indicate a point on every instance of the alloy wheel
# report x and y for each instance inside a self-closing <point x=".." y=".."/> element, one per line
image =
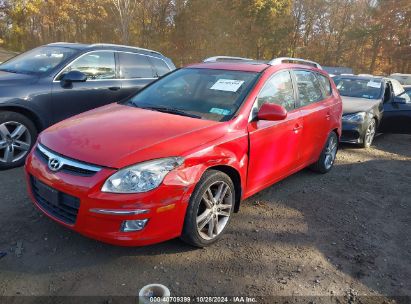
<point x="214" y="210"/>
<point x="15" y="141"/>
<point x="370" y="133"/>
<point x="330" y="152"/>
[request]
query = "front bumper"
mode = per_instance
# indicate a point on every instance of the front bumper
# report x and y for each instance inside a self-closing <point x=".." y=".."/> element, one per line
<point x="100" y="215"/>
<point x="353" y="132"/>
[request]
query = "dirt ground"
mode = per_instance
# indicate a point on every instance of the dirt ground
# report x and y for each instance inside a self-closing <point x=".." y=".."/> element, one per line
<point x="341" y="236"/>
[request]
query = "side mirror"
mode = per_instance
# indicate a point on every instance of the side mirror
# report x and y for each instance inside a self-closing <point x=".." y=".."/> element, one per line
<point x="398" y="99"/>
<point x="270" y="111"/>
<point x="74" y="76"/>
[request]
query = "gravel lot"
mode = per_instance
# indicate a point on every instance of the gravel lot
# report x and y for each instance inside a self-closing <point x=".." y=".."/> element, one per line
<point x="341" y="235"/>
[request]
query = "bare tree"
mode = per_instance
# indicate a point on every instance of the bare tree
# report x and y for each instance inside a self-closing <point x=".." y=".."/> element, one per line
<point x="125" y="10"/>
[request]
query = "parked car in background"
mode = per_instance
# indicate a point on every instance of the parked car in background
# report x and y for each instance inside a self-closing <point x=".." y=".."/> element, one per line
<point x="404" y="79"/>
<point x="177" y="158"/>
<point x="58" y="80"/>
<point x="365" y="98"/>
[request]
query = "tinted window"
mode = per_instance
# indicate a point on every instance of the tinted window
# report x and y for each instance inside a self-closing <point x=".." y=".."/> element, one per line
<point x="279" y="90"/>
<point x="96" y="65"/>
<point x="211" y="94"/>
<point x="161" y="67"/>
<point x="39" y="60"/>
<point x="325" y="82"/>
<point x="309" y="87"/>
<point x="135" y="66"/>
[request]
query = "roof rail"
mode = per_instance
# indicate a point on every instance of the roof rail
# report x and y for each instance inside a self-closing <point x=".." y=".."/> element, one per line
<point x="226" y="58"/>
<point x="126" y="46"/>
<point x="294" y="60"/>
<point x="62" y="42"/>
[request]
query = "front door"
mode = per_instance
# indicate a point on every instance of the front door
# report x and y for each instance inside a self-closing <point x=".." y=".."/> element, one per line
<point x="101" y="87"/>
<point x="274" y="145"/>
<point x="397" y="112"/>
<point x="397" y="116"/>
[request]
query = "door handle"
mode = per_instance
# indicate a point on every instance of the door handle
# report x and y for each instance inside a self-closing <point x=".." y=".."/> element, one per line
<point x="328" y="115"/>
<point x="114" y="88"/>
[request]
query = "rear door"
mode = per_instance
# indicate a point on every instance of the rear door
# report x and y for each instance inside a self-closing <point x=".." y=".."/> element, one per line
<point x="101" y="87"/>
<point x="274" y="145"/>
<point x="316" y="111"/>
<point x="136" y="71"/>
<point x="397" y="112"/>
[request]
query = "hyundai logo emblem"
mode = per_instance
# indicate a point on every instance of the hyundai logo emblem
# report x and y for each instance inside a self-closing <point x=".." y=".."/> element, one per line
<point x="54" y="164"/>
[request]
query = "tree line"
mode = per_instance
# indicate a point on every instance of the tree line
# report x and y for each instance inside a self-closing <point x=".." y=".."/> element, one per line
<point x="370" y="36"/>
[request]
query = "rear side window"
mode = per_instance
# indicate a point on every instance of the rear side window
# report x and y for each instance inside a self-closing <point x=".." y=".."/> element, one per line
<point x="325" y="84"/>
<point x="160" y="66"/>
<point x="135" y="66"/>
<point x="309" y="87"/>
<point x="279" y="90"/>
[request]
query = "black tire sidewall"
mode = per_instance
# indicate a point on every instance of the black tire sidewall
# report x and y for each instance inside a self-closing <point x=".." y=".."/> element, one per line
<point x="190" y="233"/>
<point x="6" y="116"/>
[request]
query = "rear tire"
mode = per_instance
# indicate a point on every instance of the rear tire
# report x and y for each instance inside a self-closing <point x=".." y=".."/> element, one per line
<point x="327" y="157"/>
<point x="210" y="208"/>
<point x="17" y="136"/>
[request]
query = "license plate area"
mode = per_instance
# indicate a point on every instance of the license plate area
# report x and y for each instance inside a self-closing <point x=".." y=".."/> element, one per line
<point x="49" y="194"/>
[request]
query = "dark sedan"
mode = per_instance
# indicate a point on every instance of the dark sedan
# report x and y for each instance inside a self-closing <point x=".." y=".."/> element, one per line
<point x="369" y="104"/>
<point x="53" y="82"/>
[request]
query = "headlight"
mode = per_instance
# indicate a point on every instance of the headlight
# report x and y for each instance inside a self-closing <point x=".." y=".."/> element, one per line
<point x="358" y="117"/>
<point x="142" y="177"/>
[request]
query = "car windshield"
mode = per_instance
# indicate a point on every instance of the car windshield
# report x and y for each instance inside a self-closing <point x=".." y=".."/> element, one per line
<point x="38" y="60"/>
<point x="361" y="88"/>
<point x="202" y="93"/>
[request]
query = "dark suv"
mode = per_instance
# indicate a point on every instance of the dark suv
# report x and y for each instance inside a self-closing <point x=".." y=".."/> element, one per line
<point x="53" y="82"/>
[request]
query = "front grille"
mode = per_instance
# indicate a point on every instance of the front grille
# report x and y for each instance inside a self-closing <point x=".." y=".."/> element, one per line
<point x="64" y="207"/>
<point x="69" y="166"/>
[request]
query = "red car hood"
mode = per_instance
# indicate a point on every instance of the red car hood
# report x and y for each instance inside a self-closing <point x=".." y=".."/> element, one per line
<point x="117" y="135"/>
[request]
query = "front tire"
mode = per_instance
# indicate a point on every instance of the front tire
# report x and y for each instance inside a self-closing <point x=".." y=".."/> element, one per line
<point x="17" y="136"/>
<point x="210" y="208"/>
<point x="327" y="157"/>
<point x="369" y="134"/>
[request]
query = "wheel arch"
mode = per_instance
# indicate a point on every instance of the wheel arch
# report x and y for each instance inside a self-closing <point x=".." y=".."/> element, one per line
<point x="39" y="124"/>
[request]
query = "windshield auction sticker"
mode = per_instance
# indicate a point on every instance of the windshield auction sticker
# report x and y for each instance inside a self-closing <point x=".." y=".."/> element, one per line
<point x="374" y="84"/>
<point x="228" y="85"/>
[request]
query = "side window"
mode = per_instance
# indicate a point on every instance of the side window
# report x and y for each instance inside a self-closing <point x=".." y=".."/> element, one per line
<point x="96" y="65"/>
<point x="160" y="66"/>
<point x="325" y="82"/>
<point x="309" y="87"/>
<point x="279" y="90"/>
<point x="134" y="66"/>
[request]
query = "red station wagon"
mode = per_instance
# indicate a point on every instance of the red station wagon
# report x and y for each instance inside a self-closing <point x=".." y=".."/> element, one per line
<point x="176" y="159"/>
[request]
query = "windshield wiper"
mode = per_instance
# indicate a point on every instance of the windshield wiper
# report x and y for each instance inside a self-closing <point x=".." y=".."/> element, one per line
<point x="169" y="110"/>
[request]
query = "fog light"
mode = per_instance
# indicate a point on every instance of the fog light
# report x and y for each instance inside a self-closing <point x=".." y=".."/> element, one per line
<point x="134" y="225"/>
